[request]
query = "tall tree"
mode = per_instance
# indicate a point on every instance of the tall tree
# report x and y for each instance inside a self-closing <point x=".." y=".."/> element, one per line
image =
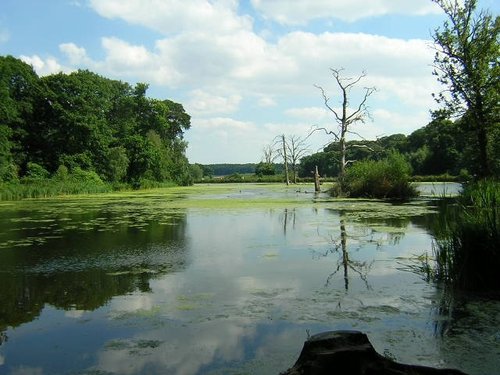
<point x="346" y="116"/>
<point x="19" y="86"/>
<point x="467" y="63"/>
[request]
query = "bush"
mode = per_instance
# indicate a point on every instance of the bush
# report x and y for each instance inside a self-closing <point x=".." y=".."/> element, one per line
<point x="387" y="178"/>
<point x="36" y="171"/>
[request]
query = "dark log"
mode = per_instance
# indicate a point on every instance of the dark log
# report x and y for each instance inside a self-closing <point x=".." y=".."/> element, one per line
<point x="351" y="353"/>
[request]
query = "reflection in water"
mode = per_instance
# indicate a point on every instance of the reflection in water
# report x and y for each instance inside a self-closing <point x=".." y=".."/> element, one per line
<point x="134" y="288"/>
<point x="345" y="262"/>
<point x="80" y="260"/>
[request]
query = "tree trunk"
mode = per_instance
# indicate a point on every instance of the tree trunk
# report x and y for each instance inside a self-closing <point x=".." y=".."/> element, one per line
<point x="285" y="160"/>
<point x="317" y="187"/>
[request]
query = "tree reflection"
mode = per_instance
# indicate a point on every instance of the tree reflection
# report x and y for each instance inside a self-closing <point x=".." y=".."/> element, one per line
<point x="83" y="270"/>
<point x="345" y="263"/>
<point x="288" y="216"/>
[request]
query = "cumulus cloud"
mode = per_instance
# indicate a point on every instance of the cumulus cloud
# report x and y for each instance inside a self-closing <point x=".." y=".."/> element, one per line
<point x="207" y="45"/>
<point x="213" y="55"/>
<point x="204" y="103"/>
<point x="76" y="55"/>
<point x="45" y="66"/>
<point x="303" y="11"/>
<point x="177" y="16"/>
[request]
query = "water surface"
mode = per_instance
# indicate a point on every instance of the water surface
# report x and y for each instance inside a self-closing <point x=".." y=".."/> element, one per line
<point x="223" y="279"/>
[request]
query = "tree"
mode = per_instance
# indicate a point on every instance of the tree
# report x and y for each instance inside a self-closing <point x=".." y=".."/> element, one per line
<point x="269" y="154"/>
<point x="282" y="151"/>
<point x="323" y="160"/>
<point x="297" y="148"/>
<point x="342" y="116"/>
<point x="265" y="169"/>
<point x="467" y="63"/>
<point x="19" y="86"/>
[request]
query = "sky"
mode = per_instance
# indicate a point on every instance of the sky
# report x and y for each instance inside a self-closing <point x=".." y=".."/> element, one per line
<point x="245" y="70"/>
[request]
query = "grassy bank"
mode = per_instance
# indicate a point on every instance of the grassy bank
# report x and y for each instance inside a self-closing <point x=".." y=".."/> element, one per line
<point x="53" y="187"/>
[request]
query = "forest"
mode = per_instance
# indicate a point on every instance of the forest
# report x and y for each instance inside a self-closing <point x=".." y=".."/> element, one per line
<point x="82" y="126"/>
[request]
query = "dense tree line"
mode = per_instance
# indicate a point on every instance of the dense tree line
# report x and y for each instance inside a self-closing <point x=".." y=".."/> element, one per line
<point x="81" y="121"/>
<point x="441" y="147"/>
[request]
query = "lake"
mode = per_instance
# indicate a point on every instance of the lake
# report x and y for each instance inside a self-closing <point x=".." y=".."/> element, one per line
<point x="225" y="279"/>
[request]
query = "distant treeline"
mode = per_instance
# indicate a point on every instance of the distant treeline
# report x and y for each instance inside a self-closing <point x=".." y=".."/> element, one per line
<point x="60" y="125"/>
<point x="228" y="169"/>
<point x="443" y="147"/>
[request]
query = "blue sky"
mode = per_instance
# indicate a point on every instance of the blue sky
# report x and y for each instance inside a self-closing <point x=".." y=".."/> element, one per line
<point x="244" y="70"/>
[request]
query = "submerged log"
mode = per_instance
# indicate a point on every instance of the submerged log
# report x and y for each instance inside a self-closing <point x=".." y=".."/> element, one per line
<point x="351" y="353"/>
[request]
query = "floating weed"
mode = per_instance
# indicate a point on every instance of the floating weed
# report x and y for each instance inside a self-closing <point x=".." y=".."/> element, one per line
<point x="141" y="313"/>
<point x="193" y="302"/>
<point x="270" y="255"/>
<point x="133" y="346"/>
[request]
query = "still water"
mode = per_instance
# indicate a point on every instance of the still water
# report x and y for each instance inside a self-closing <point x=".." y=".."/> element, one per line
<point x="223" y="280"/>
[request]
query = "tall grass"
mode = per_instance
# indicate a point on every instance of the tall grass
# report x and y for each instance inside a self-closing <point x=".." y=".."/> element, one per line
<point x="49" y="188"/>
<point x="467" y="243"/>
<point x="387" y="178"/>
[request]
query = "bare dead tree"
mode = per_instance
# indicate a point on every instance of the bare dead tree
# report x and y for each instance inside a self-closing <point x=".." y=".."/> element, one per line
<point x="297" y="148"/>
<point x="269" y="153"/>
<point x="345" y="117"/>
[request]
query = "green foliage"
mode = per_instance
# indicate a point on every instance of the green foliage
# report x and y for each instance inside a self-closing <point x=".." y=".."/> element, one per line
<point x="325" y="162"/>
<point x="466" y="64"/>
<point x="387" y="178"/>
<point x="196" y="172"/>
<point x="86" y="122"/>
<point x="265" y="169"/>
<point x="468" y="240"/>
<point x="6" y="162"/>
<point x="35" y="171"/>
<point x="117" y="164"/>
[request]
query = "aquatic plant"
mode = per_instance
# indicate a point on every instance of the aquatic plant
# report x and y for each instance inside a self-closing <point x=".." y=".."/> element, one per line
<point x="467" y="239"/>
<point x="387" y="178"/>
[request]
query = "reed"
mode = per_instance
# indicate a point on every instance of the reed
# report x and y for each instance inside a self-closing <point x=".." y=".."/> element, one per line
<point x="467" y="242"/>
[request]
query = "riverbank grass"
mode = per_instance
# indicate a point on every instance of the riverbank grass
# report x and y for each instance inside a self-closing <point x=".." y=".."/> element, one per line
<point x="467" y="249"/>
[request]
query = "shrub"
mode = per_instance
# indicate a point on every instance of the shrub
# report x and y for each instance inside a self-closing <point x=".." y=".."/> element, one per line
<point x="387" y="178"/>
<point x="36" y="171"/>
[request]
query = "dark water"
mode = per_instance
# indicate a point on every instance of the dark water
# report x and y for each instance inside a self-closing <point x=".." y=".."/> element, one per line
<point x="140" y="285"/>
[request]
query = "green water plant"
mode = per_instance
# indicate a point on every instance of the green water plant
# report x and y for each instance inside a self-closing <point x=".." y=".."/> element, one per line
<point x="467" y="240"/>
<point x="386" y="178"/>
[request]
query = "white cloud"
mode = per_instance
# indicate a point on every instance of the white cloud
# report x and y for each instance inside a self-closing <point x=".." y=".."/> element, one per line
<point x="311" y="114"/>
<point x="208" y="52"/>
<point x="225" y="123"/>
<point x="204" y="103"/>
<point x="44" y="67"/>
<point x="76" y="55"/>
<point x="266" y="101"/>
<point x="392" y="122"/>
<point x="303" y="11"/>
<point x="176" y="16"/>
